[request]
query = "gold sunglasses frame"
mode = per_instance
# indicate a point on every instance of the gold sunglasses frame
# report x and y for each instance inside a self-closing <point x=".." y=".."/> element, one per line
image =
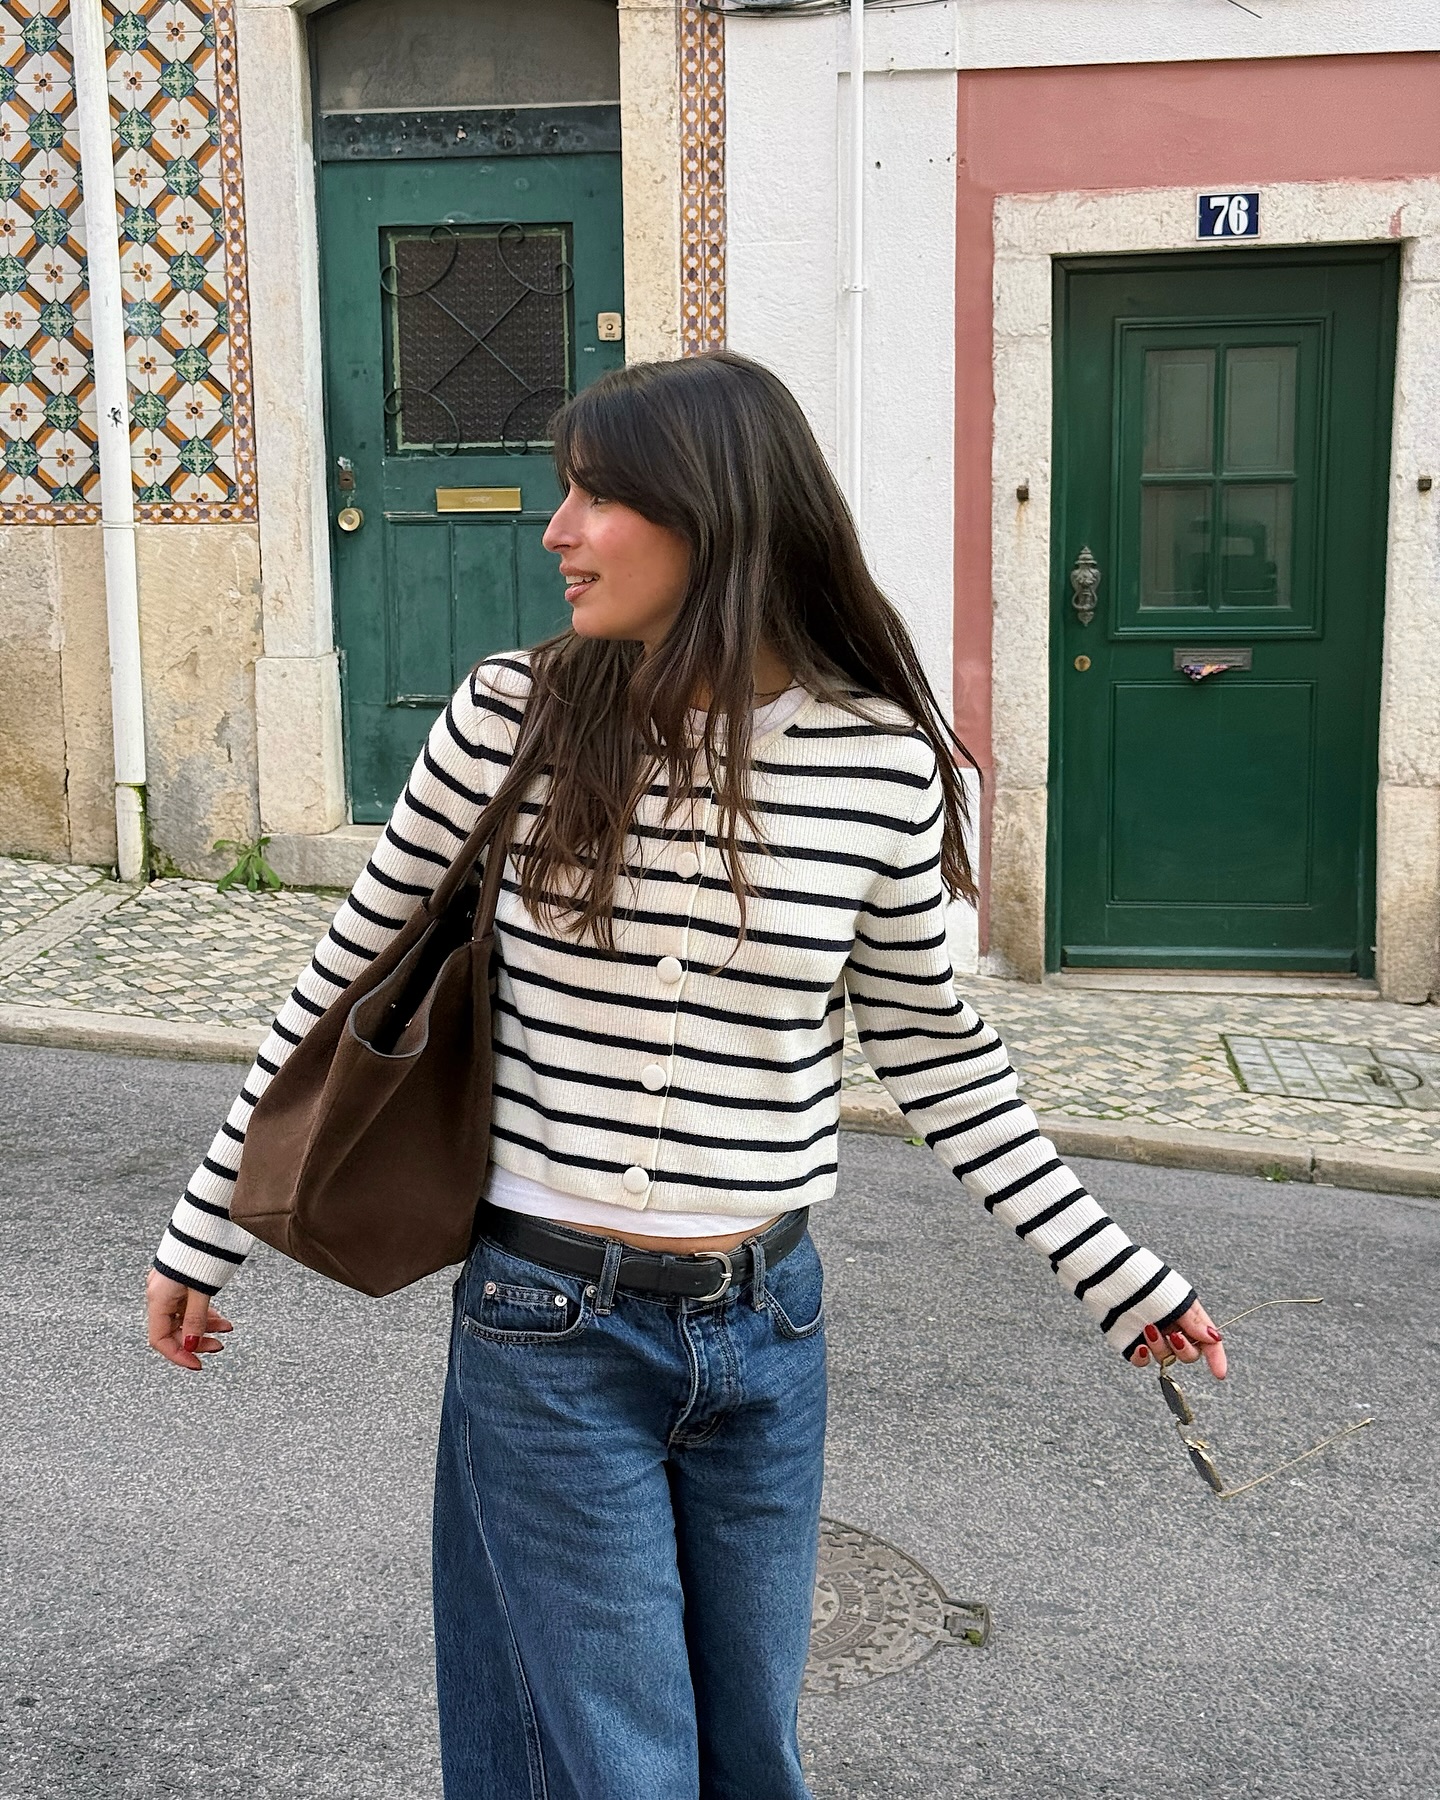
<point x="1199" y="1450"/>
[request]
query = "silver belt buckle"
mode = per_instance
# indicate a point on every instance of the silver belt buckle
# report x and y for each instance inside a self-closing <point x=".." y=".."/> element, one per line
<point x="722" y="1257"/>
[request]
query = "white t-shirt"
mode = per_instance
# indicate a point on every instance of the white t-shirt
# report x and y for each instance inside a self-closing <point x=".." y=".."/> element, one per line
<point x="517" y="1193"/>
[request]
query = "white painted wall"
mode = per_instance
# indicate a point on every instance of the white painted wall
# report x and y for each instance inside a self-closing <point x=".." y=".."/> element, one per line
<point x="1023" y="34"/>
<point x="782" y="196"/>
<point x="786" y="146"/>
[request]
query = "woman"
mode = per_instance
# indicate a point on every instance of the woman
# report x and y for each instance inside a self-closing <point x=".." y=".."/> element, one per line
<point x="741" y="804"/>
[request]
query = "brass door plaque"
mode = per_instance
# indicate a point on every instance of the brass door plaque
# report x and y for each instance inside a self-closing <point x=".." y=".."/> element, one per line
<point x="477" y="499"/>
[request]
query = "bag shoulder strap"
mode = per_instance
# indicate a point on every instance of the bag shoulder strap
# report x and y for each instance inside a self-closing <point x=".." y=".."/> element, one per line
<point x="494" y="822"/>
<point x="495" y="827"/>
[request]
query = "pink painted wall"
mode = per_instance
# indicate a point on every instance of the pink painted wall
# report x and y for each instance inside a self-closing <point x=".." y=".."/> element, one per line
<point x="1140" y="125"/>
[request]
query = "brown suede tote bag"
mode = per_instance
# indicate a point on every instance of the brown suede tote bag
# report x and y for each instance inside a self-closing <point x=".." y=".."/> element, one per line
<point x="366" y="1155"/>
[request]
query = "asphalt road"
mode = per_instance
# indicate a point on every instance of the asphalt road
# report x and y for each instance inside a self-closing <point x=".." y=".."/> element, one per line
<point x="217" y="1587"/>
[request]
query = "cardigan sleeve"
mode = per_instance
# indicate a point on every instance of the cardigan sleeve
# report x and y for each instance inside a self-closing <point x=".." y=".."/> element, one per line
<point x="461" y="765"/>
<point x="950" y="1074"/>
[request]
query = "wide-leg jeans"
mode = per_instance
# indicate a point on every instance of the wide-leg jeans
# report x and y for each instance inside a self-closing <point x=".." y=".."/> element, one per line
<point x="627" y="1506"/>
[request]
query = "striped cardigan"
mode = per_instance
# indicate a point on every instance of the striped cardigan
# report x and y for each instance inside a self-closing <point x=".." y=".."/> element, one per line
<point x="692" y="1071"/>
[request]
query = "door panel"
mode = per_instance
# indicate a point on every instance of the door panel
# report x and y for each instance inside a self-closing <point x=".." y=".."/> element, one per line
<point x="460" y="308"/>
<point x="1189" y="830"/>
<point x="1222" y="452"/>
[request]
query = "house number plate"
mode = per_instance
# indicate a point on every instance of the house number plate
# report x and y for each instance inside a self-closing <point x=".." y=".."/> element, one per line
<point x="1228" y="215"/>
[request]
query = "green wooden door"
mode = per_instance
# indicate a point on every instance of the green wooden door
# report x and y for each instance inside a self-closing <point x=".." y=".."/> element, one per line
<point x="461" y="299"/>
<point x="1222" y="429"/>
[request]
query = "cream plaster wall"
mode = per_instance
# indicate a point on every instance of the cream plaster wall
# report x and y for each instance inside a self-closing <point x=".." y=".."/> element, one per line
<point x="650" y="176"/>
<point x="85" y="694"/>
<point x="57" y="768"/>
<point x="34" y="818"/>
<point x="301" y="769"/>
<point x="1029" y="231"/>
<point x="200" y="637"/>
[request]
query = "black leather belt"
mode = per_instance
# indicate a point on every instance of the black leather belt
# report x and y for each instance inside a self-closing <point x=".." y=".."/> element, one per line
<point x="708" y="1275"/>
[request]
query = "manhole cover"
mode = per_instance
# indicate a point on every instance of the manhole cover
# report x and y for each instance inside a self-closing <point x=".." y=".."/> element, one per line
<point x="878" y="1612"/>
<point x="1348" y="1072"/>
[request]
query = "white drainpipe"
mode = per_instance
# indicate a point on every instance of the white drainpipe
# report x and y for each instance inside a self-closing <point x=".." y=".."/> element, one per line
<point x="112" y="404"/>
<point x="854" y="384"/>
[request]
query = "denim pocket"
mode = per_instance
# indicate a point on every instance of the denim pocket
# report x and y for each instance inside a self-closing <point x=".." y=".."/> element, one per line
<point x="795" y="1292"/>
<point x="542" y="1306"/>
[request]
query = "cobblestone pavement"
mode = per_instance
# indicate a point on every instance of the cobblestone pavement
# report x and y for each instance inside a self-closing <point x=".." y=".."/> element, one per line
<point x="180" y="951"/>
<point x="1159" y="1058"/>
<point x="30" y="890"/>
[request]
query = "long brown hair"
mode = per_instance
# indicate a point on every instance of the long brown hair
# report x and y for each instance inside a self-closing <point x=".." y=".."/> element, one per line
<point x="716" y="449"/>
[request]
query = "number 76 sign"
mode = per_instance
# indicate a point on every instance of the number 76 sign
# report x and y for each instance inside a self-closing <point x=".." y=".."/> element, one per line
<point x="1227" y="215"/>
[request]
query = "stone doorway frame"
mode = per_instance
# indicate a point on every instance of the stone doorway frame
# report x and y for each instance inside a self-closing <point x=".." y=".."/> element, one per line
<point x="1030" y="232"/>
<point x="671" y="72"/>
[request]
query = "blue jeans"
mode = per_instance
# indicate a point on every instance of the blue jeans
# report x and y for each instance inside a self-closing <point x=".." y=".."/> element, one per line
<point x="626" y="1516"/>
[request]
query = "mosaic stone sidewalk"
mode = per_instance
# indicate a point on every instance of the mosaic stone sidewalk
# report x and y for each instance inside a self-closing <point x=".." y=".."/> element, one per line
<point x="180" y="952"/>
<point x="30" y="891"/>
<point x="1159" y="1059"/>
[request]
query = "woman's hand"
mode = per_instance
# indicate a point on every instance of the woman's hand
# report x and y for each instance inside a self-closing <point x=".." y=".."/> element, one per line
<point x="1192" y="1336"/>
<point x="181" y="1321"/>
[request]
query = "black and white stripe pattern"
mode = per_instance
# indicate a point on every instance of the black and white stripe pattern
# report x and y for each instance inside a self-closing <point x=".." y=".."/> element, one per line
<point x="692" y="1071"/>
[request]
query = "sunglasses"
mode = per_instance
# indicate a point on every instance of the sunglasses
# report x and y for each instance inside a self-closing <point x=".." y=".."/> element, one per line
<point x="1196" y="1447"/>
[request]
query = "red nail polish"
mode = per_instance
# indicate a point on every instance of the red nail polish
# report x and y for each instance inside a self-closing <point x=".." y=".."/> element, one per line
<point x="1177" y="1340"/>
<point x="1215" y="1337"/>
<point x="192" y="1343"/>
<point x="1152" y="1334"/>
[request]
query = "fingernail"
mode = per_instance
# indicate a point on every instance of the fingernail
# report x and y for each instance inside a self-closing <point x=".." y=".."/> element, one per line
<point x="1152" y="1334"/>
<point x="1177" y="1340"/>
<point x="1142" y="1355"/>
<point x="192" y="1343"/>
<point x="1215" y="1337"/>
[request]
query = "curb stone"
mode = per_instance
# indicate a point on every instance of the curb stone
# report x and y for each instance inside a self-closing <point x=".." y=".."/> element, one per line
<point x="70" y="1028"/>
<point x="1107" y="1140"/>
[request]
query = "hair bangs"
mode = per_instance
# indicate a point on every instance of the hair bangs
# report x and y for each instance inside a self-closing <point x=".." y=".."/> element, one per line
<point x="604" y="447"/>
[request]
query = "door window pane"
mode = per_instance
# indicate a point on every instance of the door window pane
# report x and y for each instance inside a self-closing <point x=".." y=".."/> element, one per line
<point x="1260" y="408"/>
<point x="375" y="56"/>
<point x="479" y="336"/>
<point x="1179" y="411"/>
<point x="1175" y="546"/>
<point x="1255" y="545"/>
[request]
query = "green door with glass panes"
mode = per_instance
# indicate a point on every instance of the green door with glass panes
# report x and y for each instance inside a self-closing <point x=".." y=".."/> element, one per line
<point x="464" y="298"/>
<point x="1222" y="431"/>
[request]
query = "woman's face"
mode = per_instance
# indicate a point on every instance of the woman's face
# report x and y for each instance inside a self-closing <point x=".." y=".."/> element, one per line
<point x="625" y="577"/>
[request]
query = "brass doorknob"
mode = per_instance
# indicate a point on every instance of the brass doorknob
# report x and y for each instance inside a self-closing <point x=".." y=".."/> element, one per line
<point x="350" y="518"/>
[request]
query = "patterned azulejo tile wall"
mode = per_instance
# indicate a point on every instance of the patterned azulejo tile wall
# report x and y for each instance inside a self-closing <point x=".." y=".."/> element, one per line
<point x="174" y="107"/>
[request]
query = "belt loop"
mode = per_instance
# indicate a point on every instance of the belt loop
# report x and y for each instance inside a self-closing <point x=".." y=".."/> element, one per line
<point x="609" y="1275"/>
<point x="757" y="1271"/>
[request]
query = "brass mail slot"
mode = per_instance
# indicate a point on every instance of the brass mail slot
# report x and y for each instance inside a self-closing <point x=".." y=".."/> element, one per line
<point x="477" y="499"/>
<point x="1226" y="659"/>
